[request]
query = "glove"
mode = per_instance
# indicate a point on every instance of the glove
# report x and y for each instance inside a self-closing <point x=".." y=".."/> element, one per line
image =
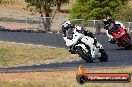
<point x="63" y="35"/>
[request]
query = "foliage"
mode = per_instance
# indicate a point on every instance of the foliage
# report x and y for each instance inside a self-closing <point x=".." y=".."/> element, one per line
<point x="7" y="2"/>
<point x="19" y="54"/>
<point x="95" y="9"/>
<point x="45" y="7"/>
<point x="125" y="13"/>
<point x="59" y="3"/>
<point x="41" y="6"/>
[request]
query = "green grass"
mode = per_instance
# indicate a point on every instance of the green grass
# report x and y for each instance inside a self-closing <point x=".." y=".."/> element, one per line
<point x="12" y="54"/>
<point x="65" y="83"/>
<point x="57" y="79"/>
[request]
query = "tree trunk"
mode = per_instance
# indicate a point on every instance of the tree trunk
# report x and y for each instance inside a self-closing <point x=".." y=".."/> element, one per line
<point x="0" y="1"/>
<point x="46" y="22"/>
<point x="47" y="19"/>
<point x="58" y="5"/>
<point x="43" y="21"/>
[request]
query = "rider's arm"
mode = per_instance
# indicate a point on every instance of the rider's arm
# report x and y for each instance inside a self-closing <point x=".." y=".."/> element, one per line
<point x="65" y="38"/>
<point x="68" y="37"/>
<point x="110" y="36"/>
<point x="70" y="42"/>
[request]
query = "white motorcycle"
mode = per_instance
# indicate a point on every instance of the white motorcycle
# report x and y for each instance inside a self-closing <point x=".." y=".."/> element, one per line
<point x="86" y="47"/>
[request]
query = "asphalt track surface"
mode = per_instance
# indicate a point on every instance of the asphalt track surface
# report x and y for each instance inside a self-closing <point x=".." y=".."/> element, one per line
<point x="117" y="56"/>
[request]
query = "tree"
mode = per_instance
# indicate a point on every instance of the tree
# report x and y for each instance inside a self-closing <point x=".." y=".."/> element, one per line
<point x="7" y="2"/>
<point x="0" y="1"/>
<point x="60" y="2"/>
<point x="95" y="9"/>
<point x="44" y="8"/>
<point x="125" y="13"/>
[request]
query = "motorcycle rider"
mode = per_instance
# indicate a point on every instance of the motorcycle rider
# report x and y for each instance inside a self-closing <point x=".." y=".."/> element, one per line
<point x="108" y="24"/>
<point x="68" y="30"/>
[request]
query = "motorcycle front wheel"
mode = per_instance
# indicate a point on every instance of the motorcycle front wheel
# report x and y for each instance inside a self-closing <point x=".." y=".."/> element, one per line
<point x="104" y="56"/>
<point x="85" y="57"/>
<point x="128" y="44"/>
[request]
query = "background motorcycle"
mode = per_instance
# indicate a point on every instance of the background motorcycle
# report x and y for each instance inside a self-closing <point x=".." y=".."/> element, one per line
<point x="83" y="45"/>
<point x="121" y="37"/>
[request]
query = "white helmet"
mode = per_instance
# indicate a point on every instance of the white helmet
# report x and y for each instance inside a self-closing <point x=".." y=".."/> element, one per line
<point x="66" y="23"/>
<point x="65" y="26"/>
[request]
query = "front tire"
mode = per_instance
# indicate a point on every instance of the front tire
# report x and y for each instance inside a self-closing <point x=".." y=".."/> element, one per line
<point x="88" y="59"/>
<point x="129" y="45"/>
<point x="104" y="56"/>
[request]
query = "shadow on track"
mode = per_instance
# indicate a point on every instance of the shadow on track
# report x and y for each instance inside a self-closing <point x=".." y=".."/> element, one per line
<point x="71" y="65"/>
<point x="123" y="49"/>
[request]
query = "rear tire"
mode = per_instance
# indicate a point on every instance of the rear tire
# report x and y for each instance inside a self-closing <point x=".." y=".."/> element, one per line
<point x="104" y="56"/>
<point x="88" y="59"/>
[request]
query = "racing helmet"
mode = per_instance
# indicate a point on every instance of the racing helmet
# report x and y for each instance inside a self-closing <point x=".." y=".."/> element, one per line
<point x="106" y="20"/>
<point x="65" y="26"/>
